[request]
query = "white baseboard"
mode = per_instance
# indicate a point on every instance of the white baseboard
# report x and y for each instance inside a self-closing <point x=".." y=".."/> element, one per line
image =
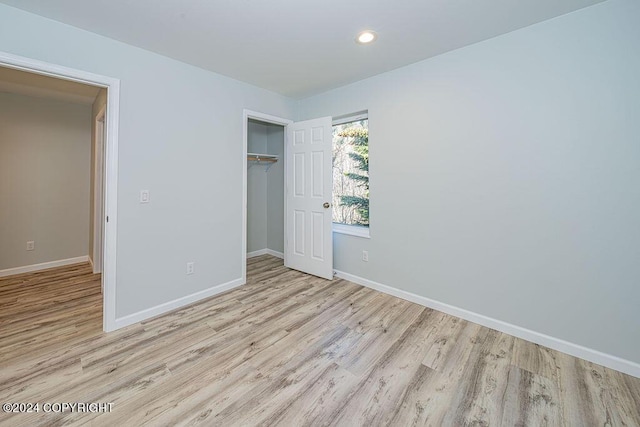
<point x="275" y="253"/>
<point x="163" y="308"/>
<point x="43" y="266"/>
<point x="595" y="356"/>
<point x="256" y="253"/>
<point x="265" y="252"/>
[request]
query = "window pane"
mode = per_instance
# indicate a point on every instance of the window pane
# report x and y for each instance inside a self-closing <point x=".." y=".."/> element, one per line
<point x="351" y="173"/>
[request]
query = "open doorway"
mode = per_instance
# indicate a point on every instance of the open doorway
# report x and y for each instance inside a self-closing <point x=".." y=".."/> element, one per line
<point x="94" y="98"/>
<point x="46" y="176"/>
<point x="265" y="188"/>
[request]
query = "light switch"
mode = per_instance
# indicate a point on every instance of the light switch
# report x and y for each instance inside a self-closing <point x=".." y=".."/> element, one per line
<point x="144" y="196"/>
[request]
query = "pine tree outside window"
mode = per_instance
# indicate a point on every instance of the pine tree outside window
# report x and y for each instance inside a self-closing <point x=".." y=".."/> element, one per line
<point x="351" y="175"/>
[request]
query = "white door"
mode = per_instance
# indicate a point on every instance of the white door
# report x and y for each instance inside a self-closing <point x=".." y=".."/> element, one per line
<point x="309" y="183"/>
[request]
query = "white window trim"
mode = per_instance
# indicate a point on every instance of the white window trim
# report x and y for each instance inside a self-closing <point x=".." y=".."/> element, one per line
<point x="352" y="230"/>
<point x="340" y="120"/>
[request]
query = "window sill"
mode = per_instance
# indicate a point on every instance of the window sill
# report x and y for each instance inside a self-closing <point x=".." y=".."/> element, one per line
<point x="352" y="230"/>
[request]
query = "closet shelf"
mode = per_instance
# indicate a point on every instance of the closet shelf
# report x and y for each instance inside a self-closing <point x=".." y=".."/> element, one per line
<point x="264" y="159"/>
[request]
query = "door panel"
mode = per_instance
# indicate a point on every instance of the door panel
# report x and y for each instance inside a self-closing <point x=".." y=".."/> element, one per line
<point x="309" y="185"/>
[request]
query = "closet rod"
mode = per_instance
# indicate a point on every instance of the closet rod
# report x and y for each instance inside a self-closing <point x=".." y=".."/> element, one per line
<point x="262" y="158"/>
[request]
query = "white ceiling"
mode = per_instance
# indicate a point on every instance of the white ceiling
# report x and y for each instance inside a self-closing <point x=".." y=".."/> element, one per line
<point x="30" y="84"/>
<point x="299" y="47"/>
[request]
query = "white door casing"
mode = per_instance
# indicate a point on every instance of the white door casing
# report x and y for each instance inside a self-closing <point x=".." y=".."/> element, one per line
<point x="98" y="191"/>
<point x="309" y="184"/>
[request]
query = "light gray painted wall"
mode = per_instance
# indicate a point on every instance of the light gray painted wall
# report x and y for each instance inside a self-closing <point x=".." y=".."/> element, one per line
<point x="504" y="177"/>
<point x="181" y="138"/>
<point x="275" y="189"/>
<point x="45" y="155"/>
<point x="256" y="189"/>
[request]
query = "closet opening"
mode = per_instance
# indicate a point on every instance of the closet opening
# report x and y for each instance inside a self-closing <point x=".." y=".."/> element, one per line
<point x="265" y="188"/>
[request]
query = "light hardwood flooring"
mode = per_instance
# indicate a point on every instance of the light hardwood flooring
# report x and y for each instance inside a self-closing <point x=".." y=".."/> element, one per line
<point x="287" y="349"/>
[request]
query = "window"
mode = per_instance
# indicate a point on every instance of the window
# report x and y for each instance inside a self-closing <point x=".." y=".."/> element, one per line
<point x="351" y="175"/>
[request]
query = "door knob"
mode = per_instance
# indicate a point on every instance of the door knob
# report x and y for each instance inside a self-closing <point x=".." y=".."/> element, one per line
<point x="326" y="205"/>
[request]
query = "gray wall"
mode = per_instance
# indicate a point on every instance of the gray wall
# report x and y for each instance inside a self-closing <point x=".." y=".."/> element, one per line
<point x="45" y="155"/>
<point x="275" y="190"/>
<point x="256" y="189"/>
<point x="181" y="138"/>
<point x="265" y="189"/>
<point x="504" y="177"/>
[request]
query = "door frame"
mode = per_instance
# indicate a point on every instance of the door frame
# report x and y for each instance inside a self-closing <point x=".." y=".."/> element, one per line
<point x="98" y="190"/>
<point x="111" y="164"/>
<point x="267" y="118"/>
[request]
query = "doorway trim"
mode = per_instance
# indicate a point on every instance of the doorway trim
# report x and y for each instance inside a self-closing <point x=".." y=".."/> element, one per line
<point x="111" y="164"/>
<point x="267" y="118"/>
<point x="98" y="190"/>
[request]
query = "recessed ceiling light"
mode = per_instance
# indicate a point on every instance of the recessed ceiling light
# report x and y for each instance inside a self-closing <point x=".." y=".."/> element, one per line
<point x="366" y="37"/>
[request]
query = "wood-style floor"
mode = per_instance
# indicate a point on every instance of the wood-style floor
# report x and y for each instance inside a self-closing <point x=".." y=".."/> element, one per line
<point x="287" y="349"/>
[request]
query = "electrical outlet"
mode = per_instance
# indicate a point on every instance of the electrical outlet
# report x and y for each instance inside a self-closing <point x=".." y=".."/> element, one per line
<point x="144" y="196"/>
<point x="365" y="256"/>
<point x="191" y="267"/>
<point x="31" y="245"/>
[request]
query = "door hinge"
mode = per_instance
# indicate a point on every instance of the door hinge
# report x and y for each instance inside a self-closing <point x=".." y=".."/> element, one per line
<point x="107" y="218"/>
